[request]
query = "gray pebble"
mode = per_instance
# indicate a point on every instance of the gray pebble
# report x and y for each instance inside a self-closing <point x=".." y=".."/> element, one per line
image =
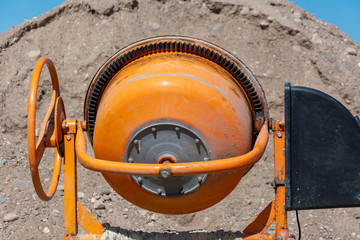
<point x="35" y="212"/>
<point x="2" y="162"/>
<point x="2" y="200"/>
<point x="316" y="39"/>
<point x="10" y="217"/>
<point x="105" y="192"/>
<point x="154" y="25"/>
<point x="106" y="198"/>
<point x="46" y="230"/>
<point x="351" y="51"/>
<point x="217" y="27"/>
<point x="99" y="204"/>
<point x="75" y="105"/>
<point x="164" y="9"/>
<point x="264" y="24"/>
<point x="34" y="54"/>
<point x="80" y="195"/>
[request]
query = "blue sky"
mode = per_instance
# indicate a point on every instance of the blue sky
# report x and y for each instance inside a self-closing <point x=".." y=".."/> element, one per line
<point x="343" y="13"/>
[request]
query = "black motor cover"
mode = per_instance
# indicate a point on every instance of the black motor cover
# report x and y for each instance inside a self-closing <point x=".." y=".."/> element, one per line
<point x="322" y="151"/>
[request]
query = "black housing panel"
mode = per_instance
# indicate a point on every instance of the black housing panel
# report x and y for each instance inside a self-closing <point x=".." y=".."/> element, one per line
<point x="322" y="151"/>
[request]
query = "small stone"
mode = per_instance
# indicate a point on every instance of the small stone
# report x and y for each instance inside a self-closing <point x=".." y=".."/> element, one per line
<point x="2" y="200"/>
<point x="105" y="192"/>
<point x="34" y="54"/>
<point x="142" y="212"/>
<point x="358" y="64"/>
<point x="99" y="204"/>
<point x="55" y="211"/>
<point x="154" y="217"/>
<point x="97" y="197"/>
<point x="353" y="234"/>
<point x="46" y="230"/>
<point x="164" y="9"/>
<point x="297" y="15"/>
<point x="234" y="10"/>
<point x="93" y="200"/>
<point x="80" y="195"/>
<point x="316" y="39"/>
<point x="75" y="105"/>
<point x="217" y="27"/>
<point x="298" y="20"/>
<point x="245" y="11"/>
<point x="125" y="216"/>
<point x="255" y="13"/>
<point x="270" y="18"/>
<point x="264" y="24"/>
<point x="106" y="198"/>
<point x="10" y="217"/>
<point x="37" y="132"/>
<point x="151" y="224"/>
<point x="154" y="25"/>
<point x="35" y="212"/>
<point x="2" y="162"/>
<point x="60" y="188"/>
<point x="351" y="51"/>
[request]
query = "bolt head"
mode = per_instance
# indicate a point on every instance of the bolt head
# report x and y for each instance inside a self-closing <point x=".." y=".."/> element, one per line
<point x="165" y="173"/>
<point x="159" y="191"/>
<point x="279" y="135"/>
<point x="130" y="160"/>
<point x="140" y="180"/>
<point x="68" y="138"/>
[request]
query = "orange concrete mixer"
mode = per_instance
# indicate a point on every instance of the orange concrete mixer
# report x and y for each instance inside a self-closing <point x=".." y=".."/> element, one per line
<point x="175" y="123"/>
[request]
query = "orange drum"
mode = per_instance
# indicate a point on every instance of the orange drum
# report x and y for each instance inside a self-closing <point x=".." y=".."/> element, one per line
<point x="171" y="100"/>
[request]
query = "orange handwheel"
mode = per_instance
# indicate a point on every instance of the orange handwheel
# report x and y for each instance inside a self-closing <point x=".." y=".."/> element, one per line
<point x="50" y="133"/>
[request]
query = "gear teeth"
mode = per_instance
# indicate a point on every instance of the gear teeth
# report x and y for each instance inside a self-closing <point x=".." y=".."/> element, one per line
<point x="168" y="46"/>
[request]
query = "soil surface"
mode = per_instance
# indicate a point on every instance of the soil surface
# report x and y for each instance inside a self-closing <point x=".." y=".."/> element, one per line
<point x="277" y="40"/>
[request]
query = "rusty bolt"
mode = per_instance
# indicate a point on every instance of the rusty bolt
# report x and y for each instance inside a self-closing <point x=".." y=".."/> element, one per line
<point x="165" y="173"/>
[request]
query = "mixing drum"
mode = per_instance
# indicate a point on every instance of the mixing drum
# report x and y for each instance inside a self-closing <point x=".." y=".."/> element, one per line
<point x="173" y="100"/>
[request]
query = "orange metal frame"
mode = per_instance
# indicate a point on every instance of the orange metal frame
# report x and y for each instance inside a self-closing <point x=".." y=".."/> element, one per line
<point x="68" y="138"/>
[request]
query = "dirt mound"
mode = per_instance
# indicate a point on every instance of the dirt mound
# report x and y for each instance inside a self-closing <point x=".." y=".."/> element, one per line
<point x="276" y="39"/>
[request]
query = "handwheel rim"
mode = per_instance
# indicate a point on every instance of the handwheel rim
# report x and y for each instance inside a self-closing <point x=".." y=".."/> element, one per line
<point x="36" y="150"/>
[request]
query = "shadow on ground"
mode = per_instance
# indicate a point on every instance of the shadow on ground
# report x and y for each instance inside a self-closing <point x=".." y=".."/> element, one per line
<point x="116" y="233"/>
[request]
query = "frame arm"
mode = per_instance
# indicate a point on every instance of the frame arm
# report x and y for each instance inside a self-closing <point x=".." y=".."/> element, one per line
<point x="175" y="169"/>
